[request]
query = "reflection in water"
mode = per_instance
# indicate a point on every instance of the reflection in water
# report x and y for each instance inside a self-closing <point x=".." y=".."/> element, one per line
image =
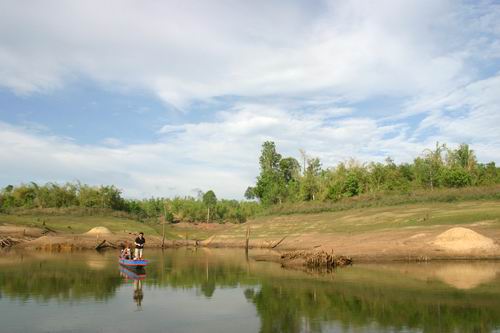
<point x="136" y="275"/>
<point x="460" y="275"/>
<point x="138" y="294"/>
<point x="467" y="276"/>
<point x="431" y="297"/>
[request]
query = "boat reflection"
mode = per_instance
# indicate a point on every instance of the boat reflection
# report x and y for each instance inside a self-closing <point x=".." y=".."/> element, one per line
<point x="136" y="275"/>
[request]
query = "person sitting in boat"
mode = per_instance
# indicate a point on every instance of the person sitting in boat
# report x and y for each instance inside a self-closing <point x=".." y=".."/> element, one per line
<point x="139" y="246"/>
<point x="126" y="253"/>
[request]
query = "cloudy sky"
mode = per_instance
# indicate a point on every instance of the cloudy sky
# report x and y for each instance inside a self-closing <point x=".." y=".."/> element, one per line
<point x="166" y="97"/>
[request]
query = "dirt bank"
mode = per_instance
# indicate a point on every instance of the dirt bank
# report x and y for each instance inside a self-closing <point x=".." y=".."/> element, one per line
<point x="36" y="238"/>
<point x="422" y="244"/>
<point x="474" y="241"/>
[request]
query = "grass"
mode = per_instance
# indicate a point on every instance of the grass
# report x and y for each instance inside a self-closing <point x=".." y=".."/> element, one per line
<point x="387" y="199"/>
<point x="350" y="216"/>
<point x="352" y="221"/>
<point x="77" y="224"/>
<point x="362" y="220"/>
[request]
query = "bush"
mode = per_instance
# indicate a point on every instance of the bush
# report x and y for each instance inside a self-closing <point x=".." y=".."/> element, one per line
<point x="455" y="177"/>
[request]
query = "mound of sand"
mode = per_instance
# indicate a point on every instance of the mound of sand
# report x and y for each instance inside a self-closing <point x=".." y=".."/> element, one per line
<point x="464" y="240"/>
<point x="98" y="231"/>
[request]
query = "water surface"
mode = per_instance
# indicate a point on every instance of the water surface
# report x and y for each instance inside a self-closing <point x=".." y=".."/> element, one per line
<point x="208" y="290"/>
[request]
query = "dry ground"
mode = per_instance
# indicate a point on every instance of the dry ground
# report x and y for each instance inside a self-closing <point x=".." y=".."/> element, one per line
<point x="401" y="232"/>
<point x="407" y="232"/>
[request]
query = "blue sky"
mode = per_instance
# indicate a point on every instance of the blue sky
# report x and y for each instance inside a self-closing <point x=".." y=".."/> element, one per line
<point x="167" y="97"/>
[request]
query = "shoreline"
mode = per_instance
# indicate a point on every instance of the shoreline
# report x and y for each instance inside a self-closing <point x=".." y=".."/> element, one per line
<point x="70" y="242"/>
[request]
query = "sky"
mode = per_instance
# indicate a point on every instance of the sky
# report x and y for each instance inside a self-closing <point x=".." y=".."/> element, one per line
<point x="166" y="98"/>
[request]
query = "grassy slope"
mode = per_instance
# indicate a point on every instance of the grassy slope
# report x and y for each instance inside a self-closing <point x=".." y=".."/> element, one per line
<point x="362" y="220"/>
<point x="76" y="224"/>
<point x="352" y="216"/>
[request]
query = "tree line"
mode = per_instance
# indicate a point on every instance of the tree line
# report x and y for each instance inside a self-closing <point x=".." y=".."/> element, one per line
<point x="284" y="179"/>
<point x="281" y="180"/>
<point x="204" y="208"/>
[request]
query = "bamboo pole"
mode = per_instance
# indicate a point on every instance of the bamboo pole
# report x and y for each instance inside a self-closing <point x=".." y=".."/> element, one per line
<point x="163" y="235"/>
<point x="247" y="239"/>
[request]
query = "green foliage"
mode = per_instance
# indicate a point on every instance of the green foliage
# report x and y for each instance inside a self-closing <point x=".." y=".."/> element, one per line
<point x="351" y="185"/>
<point x="310" y="182"/>
<point x="99" y="199"/>
<point x="209" y="199"/>
<point x="290" y="169"/>
<point x="189" y="209"/>
<point x="52" y="195"/>
<point x="169" y="217"/>
<point x="455" y="177"/>
<point x="271" y="184"/>
<point x="280" y="180"/>
<point x="250" y="193"/>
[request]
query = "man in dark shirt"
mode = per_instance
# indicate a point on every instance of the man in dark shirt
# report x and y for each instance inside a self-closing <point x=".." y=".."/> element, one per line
<point x="139" y="246"/>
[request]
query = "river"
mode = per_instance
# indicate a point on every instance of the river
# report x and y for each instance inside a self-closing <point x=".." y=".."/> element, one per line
<point x="209" y="290"/>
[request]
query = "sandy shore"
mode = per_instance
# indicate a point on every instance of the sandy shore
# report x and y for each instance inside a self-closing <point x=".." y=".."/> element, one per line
<point x="433" y="243"/>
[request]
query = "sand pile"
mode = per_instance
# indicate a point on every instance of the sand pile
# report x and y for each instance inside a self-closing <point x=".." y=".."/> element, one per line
<point x="464" y="240"/>
<point x="99" y="231"/>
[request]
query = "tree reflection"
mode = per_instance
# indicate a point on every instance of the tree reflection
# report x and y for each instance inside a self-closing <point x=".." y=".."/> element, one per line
<point x="286" y="301"/>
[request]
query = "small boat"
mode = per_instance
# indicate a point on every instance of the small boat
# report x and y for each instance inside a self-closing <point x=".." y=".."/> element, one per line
<point x="133" y="263"/>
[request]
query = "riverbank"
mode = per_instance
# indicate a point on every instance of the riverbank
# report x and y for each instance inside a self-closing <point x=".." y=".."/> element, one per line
<point x="416" y="232"/>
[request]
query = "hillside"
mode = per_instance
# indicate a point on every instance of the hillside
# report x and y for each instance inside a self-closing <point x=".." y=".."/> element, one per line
<point x="365" y="230"/>
<point x="396" y="232"/>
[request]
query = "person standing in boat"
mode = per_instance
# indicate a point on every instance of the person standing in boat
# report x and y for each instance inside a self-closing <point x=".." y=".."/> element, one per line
<point x="139" y="246"/>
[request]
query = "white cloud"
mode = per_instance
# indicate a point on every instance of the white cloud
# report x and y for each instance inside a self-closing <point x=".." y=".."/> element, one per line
<point x="184" y="50"/>
<point x="468" y="114"/>
<point x="113" y="142"/>
<point x="220" y="155"/>
<point x="290" y="64"/>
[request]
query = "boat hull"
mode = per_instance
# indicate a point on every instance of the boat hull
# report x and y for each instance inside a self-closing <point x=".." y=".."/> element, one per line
<point x="133" y="263"/>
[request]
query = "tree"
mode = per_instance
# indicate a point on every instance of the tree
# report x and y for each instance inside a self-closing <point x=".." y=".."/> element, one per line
<point x="463" y="157"/>
<point x="310" y="186"/>
<point x="250" y="193"/>
<point x="210" y="200"/>
<point x="430" y="165"/>
<point x="351" y="185"/>
<point x="270" y="187"/>
<point x="455" y="177"/>
<point x="269" y="158"/>
<point x="290" y="169"/>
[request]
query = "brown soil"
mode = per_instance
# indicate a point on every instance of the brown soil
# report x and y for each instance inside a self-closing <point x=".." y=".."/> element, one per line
<point x="409" y="244"/>
<point x="35" y="238"/>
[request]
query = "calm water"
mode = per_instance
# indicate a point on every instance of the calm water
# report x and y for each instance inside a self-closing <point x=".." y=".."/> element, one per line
<point x="220" y="291"/>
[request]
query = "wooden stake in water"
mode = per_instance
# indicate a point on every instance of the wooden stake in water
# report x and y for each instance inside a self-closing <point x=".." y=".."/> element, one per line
<point x="247" y="238"/>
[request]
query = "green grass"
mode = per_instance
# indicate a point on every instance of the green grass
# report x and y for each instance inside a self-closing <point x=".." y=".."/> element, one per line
<point x="363" y="214"/>
<point x="364" y="220"/>
<point x="77" y="224"/>
<point x="387" y="199"/>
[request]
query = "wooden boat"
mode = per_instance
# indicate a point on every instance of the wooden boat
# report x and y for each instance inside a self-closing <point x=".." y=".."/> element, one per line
<point x="133" y="263"/>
